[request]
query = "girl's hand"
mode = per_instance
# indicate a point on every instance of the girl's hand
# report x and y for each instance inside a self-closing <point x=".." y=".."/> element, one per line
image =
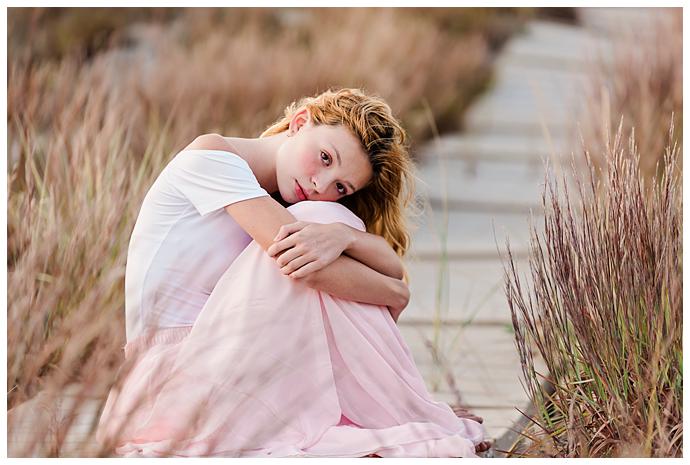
<point x="306" y="247"/>
<point x="395" y="312"/>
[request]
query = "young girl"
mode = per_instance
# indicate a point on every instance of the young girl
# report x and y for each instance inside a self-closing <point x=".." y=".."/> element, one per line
<point x="252" y="334"/>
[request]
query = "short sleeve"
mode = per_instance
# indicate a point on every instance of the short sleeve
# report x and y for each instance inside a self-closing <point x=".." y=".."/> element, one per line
<point x="212" y="179"/>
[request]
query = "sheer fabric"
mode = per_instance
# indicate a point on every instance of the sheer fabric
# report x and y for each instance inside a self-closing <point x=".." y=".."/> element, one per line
<point x="279" y="369"/>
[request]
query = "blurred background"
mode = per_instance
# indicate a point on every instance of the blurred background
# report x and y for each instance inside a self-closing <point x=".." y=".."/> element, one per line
<point x="99" y="99"/>
<point x="234" y="70"/>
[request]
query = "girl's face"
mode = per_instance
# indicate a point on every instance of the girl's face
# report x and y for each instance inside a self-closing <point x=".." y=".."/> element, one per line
<point x="320" y="162"/>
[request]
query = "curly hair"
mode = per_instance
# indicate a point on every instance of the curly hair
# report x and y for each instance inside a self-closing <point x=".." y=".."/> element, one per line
<point x="382" y="203"/>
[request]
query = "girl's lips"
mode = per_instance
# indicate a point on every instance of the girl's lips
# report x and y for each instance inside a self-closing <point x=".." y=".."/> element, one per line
<point x="300" y="193"/>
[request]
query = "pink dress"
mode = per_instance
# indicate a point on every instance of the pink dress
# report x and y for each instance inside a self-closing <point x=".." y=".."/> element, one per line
<point x="273" y="368"/>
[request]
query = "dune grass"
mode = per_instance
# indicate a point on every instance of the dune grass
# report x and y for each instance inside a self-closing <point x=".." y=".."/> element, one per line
<point x="642" y="83"/>
<point x="605" y="308"/>
<point x="91" y="126"/>
<point x="605" y="312"/>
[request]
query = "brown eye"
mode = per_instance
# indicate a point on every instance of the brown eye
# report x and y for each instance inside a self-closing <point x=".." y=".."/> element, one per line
<point x="326" y="158"/>
<point x="339" y="186"/>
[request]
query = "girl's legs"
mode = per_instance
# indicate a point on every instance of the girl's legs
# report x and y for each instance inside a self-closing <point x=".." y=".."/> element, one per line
<point x="277" y="367"/>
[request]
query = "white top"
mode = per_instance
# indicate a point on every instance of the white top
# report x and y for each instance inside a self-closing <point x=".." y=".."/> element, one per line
<point x="183" y="239"/>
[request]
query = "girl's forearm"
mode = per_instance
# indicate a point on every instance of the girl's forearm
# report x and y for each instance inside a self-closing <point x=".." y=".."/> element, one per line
<point x="374" y="251"/>
<point x="349" y="279"/>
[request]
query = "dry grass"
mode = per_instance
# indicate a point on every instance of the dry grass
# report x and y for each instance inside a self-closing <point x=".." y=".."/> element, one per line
<point x="234" y="70"/>
<point x="88" y="133"/>
<point x="605" y="309"/>
<point x="605" y="312"/>
<point x="643" y="84"/>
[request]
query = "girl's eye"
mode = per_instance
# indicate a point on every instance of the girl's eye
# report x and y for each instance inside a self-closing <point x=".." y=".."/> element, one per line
<point x="339" y="187"/>
<point x="326" y="157"/>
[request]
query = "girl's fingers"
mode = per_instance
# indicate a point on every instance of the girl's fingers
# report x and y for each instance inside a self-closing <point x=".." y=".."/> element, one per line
<point x="287" y="229"/>
<point x="296" y="264"/>
<point x="281" y="245"/>
<point x="483" y="446"/>
<point x="287" y="257"/>
<point x="306" y="269"/>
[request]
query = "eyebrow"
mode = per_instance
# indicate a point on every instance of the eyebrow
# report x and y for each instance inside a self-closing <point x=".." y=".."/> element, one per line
<point x="340" y="163"/>
<point x="337" y="154"/>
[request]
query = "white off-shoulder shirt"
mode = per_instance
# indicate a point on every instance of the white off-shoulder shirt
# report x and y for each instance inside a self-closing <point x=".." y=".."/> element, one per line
<point x="183" y="239"/>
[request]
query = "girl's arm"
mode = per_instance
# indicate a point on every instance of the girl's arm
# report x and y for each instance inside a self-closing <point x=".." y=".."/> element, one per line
<point x="349" y="279"/>
<point x="374" y="251"/>
<point x="345" y="277"/>
<point x="262" y="217"/>
<point x="370" y="249"/>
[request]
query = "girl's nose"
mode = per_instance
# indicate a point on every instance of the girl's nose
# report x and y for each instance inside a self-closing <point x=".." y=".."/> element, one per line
<point x="321" y="183"/>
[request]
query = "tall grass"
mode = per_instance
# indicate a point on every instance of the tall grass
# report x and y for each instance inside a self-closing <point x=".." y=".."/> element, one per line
<point x="88" y="134"/>
<point x="605" y="311"/>
<point x="642" y="82"/>
<point x="233" y="70"/>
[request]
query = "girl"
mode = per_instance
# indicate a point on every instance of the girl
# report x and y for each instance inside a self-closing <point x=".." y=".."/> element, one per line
<point x="231" y="355"/>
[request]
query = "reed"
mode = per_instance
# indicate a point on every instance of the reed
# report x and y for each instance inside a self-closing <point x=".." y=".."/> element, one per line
<point x="605" y="310"/>
<point x="642" y="82"/>
<point x="89" y="132"/>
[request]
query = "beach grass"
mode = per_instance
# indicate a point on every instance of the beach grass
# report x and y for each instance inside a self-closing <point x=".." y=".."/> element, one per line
<point x="95" y="113"/>
<point x="605" y="312"/>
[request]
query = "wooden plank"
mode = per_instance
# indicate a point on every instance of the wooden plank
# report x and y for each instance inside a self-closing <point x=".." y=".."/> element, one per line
<point x="471" y="291"/>
<point x="471" y="234"/>
<point x="474" y="147"/>
<point x="481" y="363"/>
<point x="517" y="184"/>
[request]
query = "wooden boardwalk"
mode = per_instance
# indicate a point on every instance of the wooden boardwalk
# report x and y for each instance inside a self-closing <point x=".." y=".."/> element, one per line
<point x="481" y="186"/>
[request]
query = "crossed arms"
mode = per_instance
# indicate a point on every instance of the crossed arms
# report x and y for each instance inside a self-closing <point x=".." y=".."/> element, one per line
<point x="368" y="271"/>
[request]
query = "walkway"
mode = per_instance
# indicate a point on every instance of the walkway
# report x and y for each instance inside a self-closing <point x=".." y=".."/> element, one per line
<point x="481" y="185"/>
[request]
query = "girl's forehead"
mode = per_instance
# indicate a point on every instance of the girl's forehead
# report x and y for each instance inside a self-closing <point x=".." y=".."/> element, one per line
<point x="341" y="138"/>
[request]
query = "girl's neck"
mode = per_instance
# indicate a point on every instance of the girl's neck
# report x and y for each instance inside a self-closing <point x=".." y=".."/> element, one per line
<point x="260" y="155"/>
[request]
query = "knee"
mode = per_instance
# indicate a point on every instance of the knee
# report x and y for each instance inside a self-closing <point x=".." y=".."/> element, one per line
<point x="325" y="212"/>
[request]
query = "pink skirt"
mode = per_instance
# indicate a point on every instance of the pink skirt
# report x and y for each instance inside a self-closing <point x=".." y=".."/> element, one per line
<point x="273" y="368"/>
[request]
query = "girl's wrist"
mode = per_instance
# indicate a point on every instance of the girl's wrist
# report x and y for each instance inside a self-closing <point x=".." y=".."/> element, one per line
<point x="402" y="292"/>
<point x="350" y="235"/>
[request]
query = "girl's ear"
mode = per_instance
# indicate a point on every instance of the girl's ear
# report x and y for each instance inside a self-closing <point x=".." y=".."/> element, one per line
<point x="300" y="119"/>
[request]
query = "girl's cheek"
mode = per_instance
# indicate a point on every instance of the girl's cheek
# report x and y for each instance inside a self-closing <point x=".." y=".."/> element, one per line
<point x="309" y="165"/>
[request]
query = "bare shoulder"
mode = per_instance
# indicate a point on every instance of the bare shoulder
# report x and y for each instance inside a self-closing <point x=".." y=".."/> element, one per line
<point x="210" y="142"/>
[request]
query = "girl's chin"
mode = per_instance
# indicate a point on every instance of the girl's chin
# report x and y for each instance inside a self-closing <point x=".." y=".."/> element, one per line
<point x="278" y="197"/>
